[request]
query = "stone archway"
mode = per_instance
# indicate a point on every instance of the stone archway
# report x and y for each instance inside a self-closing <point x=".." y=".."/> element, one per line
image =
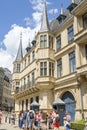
<point x="70" y="106"/>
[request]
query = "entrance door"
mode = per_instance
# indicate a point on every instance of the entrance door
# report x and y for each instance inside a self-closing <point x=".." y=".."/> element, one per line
<point x="70" y="104"/>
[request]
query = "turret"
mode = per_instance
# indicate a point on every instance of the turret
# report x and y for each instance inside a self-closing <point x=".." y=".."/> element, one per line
<point x="19" y="57"/>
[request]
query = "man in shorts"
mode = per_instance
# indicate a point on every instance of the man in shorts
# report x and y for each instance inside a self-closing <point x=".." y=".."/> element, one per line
<point x="30" y="119"/>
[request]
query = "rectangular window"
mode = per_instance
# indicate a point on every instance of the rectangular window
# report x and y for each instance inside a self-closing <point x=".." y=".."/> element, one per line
<point x="86" y="51"/>
<point x="18" y="83"/>
<point x="22" y="105"/>
<point x="43" y="68"/>
<point x="51" y="69"/>
<point x="18" y="67"/>
<point x="24" y="81"/>
<point x="33" y="55"/>
<point x="26" y="104"/>
<point x="84" y="20"/>
<point x="59" y="68"/>
<point x="25" y="63"/>
<point x="33" y="78"/>
<point x="70" y="33"/>
<point x="17" y="89"/>
<point x="43" y="41"/>
<point x="31" y="100"/>
<point x="58" y="43"/>
<point x="50" y="42"/>
<point x="28" y="59"/>
<point x="72" y="62"/>
<point x="37" y="99"/>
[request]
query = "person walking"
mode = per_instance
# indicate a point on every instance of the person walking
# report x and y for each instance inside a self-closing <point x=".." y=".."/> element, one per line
<point x="25" y="120"/>
<point x="67" y="120"/>
<point x="20" y="120"/>
<point x="56" y="122"/>
<point x="30" y="119"/>
<point x="38" y="118"/>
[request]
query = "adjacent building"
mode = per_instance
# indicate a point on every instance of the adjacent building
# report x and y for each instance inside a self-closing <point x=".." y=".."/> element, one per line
<point x="6" y="99"/>
<point x="55" y="66"/>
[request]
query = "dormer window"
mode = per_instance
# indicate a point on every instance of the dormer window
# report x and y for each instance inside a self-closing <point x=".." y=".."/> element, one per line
<point x="71" y="6"/>
<point x="43" y="41"/>
<point x="61" y="18"/>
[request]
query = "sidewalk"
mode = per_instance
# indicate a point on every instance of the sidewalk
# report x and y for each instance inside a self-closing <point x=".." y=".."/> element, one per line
<point x="7" y="126"/>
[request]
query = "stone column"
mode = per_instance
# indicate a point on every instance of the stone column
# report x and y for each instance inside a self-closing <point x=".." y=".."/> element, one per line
<point x="78" y="58"/>
<point x="75" y="25"/>
<point x="16" y="105"/>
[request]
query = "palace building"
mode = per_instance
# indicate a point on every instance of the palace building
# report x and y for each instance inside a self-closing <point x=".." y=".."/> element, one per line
<point x="54" y="69"/>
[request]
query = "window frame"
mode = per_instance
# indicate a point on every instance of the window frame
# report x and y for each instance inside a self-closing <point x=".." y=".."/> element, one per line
<point x="70" y="34"/>
<point x="58" y="43"/>
<point x="59" y="67"/>
<point x="72" y="66"/>
<point x="43" y="41"/>
<point x="43" y="68"/>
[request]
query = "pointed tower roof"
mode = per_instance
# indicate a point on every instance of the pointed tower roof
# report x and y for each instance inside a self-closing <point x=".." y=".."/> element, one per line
<point x="20" y="54"/>
<point x="44" y="24"/>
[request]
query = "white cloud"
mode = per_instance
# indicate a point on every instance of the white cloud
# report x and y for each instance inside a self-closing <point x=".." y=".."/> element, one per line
<point x="37" y="17"/>
<point x="12" y="40"/>
<point x="53" y="11"/>
<point x="6" y="59"/>
<point x="28" y="21"/>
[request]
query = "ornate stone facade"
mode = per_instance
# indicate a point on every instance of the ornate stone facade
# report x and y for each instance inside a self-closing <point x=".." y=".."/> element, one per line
<point x="56" y="64"/>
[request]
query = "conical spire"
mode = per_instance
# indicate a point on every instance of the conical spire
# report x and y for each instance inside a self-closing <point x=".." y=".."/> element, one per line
<point x="61" y="11"/>
<point x="20" y="54"/>
<point x="44" y="23"/>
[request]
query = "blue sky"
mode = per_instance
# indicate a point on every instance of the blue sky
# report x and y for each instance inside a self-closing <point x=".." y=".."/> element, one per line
<point x="24" y="16"/>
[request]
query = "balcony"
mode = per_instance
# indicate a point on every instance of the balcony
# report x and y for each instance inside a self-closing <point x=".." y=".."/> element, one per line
<point x="82" y="70"/>
<point x="81" y="37"/>
<point x="25" y="87"/>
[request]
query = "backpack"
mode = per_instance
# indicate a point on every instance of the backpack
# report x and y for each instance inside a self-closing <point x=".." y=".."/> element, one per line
<point x="57" y="119"/>
<point x="31" y="115"/>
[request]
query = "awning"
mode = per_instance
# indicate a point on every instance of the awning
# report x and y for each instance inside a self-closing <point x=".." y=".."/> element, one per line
<point x="58" y="101"/>
<point x="34" y="103"/>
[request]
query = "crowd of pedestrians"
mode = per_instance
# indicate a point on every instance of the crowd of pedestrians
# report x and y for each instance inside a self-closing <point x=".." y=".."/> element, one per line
<point x="30" y="120"/>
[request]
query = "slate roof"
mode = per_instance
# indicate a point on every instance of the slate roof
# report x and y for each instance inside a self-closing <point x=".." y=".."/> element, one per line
<point x="20" y="53"/>
<point x="44" y="22"/>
